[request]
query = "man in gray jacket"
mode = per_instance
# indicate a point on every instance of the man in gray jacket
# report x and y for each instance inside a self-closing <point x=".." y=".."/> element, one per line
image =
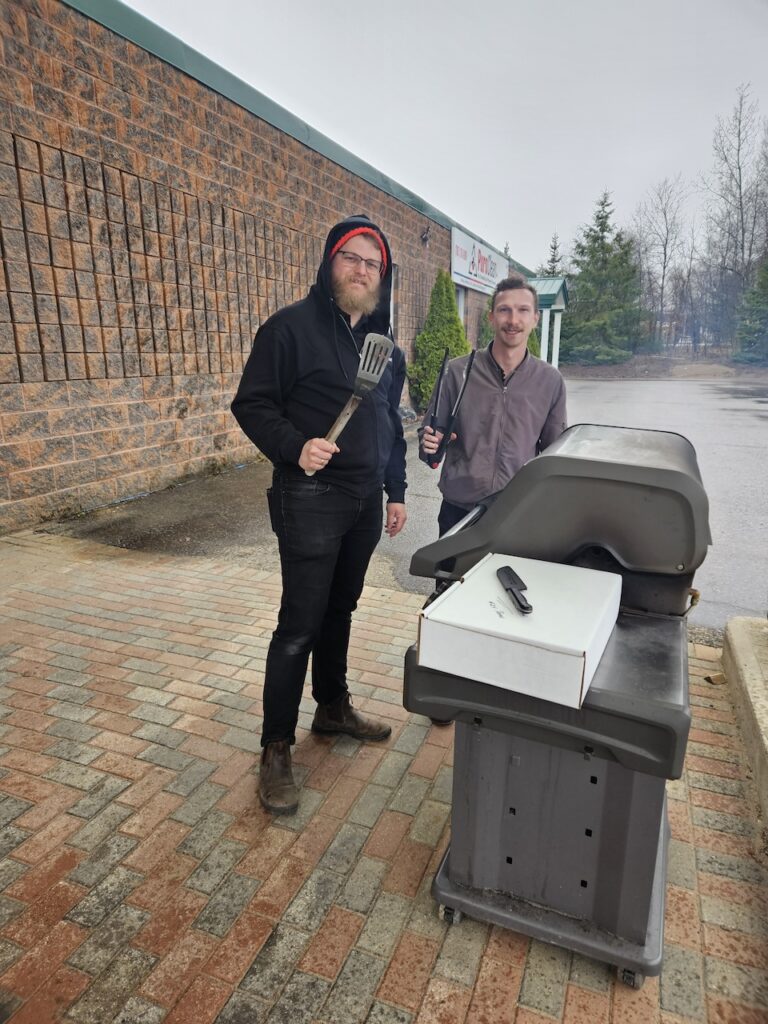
<point x="513" y="408"/>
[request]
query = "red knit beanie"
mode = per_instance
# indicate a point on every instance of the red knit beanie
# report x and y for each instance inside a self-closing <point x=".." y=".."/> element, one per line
<point x="363" y="231"/>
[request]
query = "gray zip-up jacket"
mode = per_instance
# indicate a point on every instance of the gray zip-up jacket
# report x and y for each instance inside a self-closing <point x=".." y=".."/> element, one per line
<point x="502" y="423"/>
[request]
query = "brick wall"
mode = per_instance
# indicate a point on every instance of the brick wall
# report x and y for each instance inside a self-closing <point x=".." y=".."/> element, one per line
<point x="148" y="225"/>
<point x="475" y="311"/>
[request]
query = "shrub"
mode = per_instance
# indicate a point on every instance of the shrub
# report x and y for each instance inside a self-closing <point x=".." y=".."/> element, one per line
<point x="443" y="329"/>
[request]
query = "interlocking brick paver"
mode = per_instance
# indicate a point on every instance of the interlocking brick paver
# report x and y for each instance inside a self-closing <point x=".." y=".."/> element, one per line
<point x="201" y="1003"/>
<point x="28" y="928"/>
<point x="352" y="994"/>
<point x="384" y="924"/>
<point x="244" y="1008"/>
<point x="190" y="777"/>
<point x="682" y="989"/>
<point x="216" y="866"/>
<point x="9" y="909"/>
<point x="410" y="794"/>
<point x="161" y="883"/>
<point x="145" y="840"/>
<point x="266" y="851"/>
<point x="117" y="762"/>
<point x="165" y="838"/>
<point x="104" y="897"/>
<point x="9" y="1004"/>
<point x="409" y="971"/>
<point x="382" y="1013"/>
<point x="33" y="849"/>
<point x="10" y="871"/>
<point x="164" y="925"/>
<point x="545" y="979"/>
<point x="278" y="956"/>
<point x="113" y="988"/>
<point x="341" y="796"/>
<point x="140" y="1011"/>
<point x="226" y="904"/>
<point x="151" y="814"/>
<point x="239" y="949"/>
<point x="102" y="860"/>
<point x="313" y="900"/>
<point x="152" y="782"/>
<point x="735" y="947"/>
<point x="28" y="883"/>
<point x="175" y="972"/>
<point x="28" y="973"/>
<point x="100" y="796"/>
<point x="114" y="932"/>
<point x="102" y="825"/>
<point x="444" y="1003"/>
<point x="205" y="834"/>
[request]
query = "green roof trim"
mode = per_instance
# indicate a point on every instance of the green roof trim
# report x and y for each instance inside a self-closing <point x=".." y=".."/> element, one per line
<point x="131" y="25"/>
<point x="549" y="290"/>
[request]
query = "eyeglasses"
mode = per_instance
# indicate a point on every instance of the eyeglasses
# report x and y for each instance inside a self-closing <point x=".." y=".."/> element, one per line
<point x="351" y="259"/>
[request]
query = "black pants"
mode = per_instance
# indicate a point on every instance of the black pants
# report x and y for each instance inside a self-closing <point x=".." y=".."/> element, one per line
<point x="326" y="539"/>
<point x="449" y="515"/>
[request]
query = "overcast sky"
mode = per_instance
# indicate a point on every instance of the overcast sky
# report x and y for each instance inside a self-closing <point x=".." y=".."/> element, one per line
<point x="510" y="118"/>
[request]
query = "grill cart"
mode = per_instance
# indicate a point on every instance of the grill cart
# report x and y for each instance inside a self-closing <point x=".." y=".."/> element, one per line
<point x="558" y="820"/>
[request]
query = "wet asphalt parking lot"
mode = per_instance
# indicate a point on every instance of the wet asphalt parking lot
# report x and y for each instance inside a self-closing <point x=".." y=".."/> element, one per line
<point x="726" y="421"/>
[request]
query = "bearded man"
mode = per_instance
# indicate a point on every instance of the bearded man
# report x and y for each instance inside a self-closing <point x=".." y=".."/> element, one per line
<point x="298" y="377"/>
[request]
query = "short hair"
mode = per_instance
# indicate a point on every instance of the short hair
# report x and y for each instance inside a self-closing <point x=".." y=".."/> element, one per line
<point x="512" y="283"/>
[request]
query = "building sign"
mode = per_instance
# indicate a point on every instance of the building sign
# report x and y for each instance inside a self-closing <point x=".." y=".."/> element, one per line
<point x="475" y="265"/>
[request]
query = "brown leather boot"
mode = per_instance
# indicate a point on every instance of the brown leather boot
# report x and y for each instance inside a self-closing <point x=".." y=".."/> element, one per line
<point x="342" y="717"/>
<point x="277" y="790"/>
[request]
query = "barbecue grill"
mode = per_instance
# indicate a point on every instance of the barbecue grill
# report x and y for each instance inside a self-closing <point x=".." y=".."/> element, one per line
<point x="558" y="820"/>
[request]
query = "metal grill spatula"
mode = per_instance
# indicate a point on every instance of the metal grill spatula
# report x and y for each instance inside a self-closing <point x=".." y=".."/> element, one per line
<point x="374" y="356"/>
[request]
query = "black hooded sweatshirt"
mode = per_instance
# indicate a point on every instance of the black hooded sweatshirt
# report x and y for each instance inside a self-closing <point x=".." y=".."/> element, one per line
<point x="302" y="370"/>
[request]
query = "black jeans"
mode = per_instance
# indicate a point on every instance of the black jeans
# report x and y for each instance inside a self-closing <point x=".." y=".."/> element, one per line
<point x="449" y="515"/>
<point x="326" y="539"/>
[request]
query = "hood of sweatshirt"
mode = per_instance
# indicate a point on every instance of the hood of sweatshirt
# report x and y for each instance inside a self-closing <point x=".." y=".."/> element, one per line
<point x="379" y="320"/>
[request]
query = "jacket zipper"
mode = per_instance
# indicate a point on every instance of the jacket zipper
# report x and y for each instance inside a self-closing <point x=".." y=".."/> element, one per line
<point x="501" y="433"/>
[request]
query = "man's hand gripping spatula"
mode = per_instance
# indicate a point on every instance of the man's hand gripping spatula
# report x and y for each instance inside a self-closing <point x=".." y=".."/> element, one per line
<point x="374" y="357"/>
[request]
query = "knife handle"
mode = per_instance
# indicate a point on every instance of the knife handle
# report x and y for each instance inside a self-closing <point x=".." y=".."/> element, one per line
<point x="509" y="580"/>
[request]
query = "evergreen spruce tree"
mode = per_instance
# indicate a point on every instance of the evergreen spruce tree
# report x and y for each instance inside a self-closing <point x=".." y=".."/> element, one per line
<point x="554" y="266"/>
<point x="752" y="331"/>
<point x="605" y="322"/>
<point x="443" y="329"/>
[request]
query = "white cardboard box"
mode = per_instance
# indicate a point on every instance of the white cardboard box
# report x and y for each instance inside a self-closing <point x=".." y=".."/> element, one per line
<point x="475" y="630"/>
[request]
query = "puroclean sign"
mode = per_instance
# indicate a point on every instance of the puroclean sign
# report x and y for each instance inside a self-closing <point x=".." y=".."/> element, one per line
<point x="474" y="264"/>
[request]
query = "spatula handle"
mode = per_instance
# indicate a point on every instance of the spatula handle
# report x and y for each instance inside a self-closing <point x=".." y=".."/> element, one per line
<point x="341" y="421"/>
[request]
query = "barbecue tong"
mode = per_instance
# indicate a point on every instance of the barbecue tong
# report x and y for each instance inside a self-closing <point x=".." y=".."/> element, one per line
<point x="436" y="458"/>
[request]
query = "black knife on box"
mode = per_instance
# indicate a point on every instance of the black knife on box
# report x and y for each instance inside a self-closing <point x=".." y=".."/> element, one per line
<point x="514" y="586"/>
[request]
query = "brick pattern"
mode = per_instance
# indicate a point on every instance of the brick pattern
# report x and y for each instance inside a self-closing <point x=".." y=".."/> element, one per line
<point x="147" y="227"/>
<point x="475" y="313"/>
<point x="140" y="879"/>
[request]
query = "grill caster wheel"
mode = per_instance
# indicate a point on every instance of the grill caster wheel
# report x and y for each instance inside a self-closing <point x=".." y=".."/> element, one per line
<point x="449" y="914"/>
<point x="634" y="979"/>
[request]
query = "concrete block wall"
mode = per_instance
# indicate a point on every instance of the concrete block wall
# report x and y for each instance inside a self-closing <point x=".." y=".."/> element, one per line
<point x="475" y="312"/>
<point x="148" y="225"/>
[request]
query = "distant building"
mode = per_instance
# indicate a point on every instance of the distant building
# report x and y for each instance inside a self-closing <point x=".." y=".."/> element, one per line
<point x="553" y="299"/>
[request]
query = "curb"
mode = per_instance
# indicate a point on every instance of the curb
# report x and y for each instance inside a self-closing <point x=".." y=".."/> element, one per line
<point x="743" y="669"/>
